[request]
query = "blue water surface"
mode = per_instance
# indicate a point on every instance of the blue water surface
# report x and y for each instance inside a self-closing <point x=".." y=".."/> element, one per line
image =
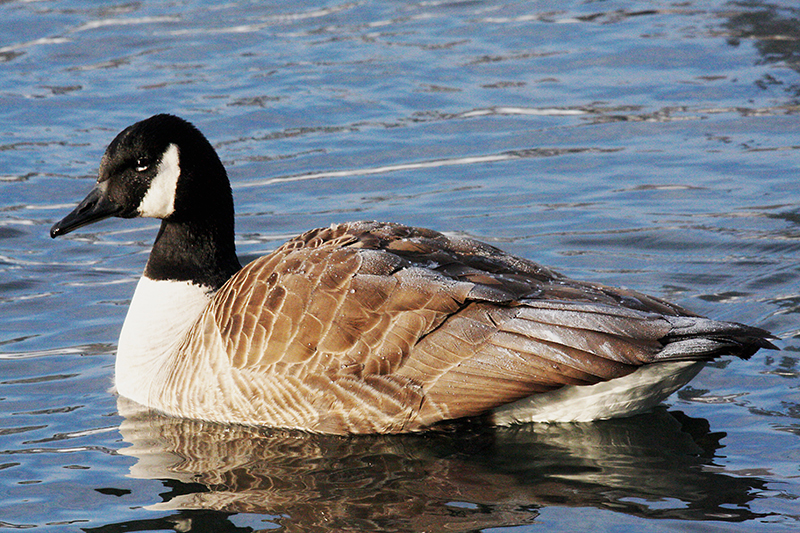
<point x="653" y="145"/>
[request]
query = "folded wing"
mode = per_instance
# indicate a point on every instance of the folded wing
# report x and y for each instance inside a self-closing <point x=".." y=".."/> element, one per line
<point x="367" y="327"/>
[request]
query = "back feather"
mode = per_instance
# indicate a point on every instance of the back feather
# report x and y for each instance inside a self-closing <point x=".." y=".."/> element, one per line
<point x="382" y="327"/>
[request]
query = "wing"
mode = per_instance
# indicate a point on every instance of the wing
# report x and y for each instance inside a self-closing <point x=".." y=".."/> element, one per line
<point x="366" y="327"/>
<point x="325" y="322"/>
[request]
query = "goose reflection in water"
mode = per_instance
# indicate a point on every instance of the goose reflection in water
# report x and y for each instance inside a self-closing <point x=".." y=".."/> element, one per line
<point x="462" y="478"/>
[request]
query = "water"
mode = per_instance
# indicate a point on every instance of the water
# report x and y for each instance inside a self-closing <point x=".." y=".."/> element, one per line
<point x="653" y="146"/>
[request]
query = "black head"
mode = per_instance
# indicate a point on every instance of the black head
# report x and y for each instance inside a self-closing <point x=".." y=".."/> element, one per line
<point x="161" y="167"/>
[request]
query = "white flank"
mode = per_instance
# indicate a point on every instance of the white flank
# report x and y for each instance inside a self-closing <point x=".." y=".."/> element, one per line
<point x="635" y="393"/>
<point x="159" y="202"/>
<point x="160" y="315"/>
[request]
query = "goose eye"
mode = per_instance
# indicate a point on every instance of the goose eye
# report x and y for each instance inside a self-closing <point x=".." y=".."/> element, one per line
<point x="142" y="165"/>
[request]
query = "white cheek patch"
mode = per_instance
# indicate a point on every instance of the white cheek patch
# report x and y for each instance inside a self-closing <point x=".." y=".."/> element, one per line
<point x="159" y="202"/>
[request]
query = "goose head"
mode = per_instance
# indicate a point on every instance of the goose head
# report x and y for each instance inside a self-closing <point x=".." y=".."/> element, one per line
<point x="164" y="168"/>
<point x="161" y="167"/>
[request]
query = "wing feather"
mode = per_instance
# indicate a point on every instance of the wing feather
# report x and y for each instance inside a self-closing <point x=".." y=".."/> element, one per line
<point x="366" y="327"/>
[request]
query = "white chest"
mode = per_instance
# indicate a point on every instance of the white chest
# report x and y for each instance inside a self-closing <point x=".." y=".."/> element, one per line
<point x="160" y="315"/>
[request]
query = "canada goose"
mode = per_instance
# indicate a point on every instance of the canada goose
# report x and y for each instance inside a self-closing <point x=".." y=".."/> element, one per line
<point x="369" y="327"/>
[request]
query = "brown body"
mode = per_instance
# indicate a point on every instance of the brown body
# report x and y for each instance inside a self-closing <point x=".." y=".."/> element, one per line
<point x="368" y="327"/>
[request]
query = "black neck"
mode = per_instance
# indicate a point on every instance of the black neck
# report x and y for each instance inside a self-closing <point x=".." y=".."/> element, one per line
<point x="194" y="251"/>
<point x="196" y="242"/>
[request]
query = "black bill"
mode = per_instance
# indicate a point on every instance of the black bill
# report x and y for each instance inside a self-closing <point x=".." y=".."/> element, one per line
<point x="93" y="208"/>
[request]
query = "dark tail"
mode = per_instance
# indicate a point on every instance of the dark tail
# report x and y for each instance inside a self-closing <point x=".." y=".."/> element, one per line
<point x="694" y="338"/>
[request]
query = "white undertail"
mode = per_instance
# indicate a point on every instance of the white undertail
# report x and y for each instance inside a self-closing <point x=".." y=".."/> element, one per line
<point x="635" y="393"/>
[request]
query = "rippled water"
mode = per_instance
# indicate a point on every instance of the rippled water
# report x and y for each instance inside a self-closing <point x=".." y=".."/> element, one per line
<point x="652" y="145"/>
